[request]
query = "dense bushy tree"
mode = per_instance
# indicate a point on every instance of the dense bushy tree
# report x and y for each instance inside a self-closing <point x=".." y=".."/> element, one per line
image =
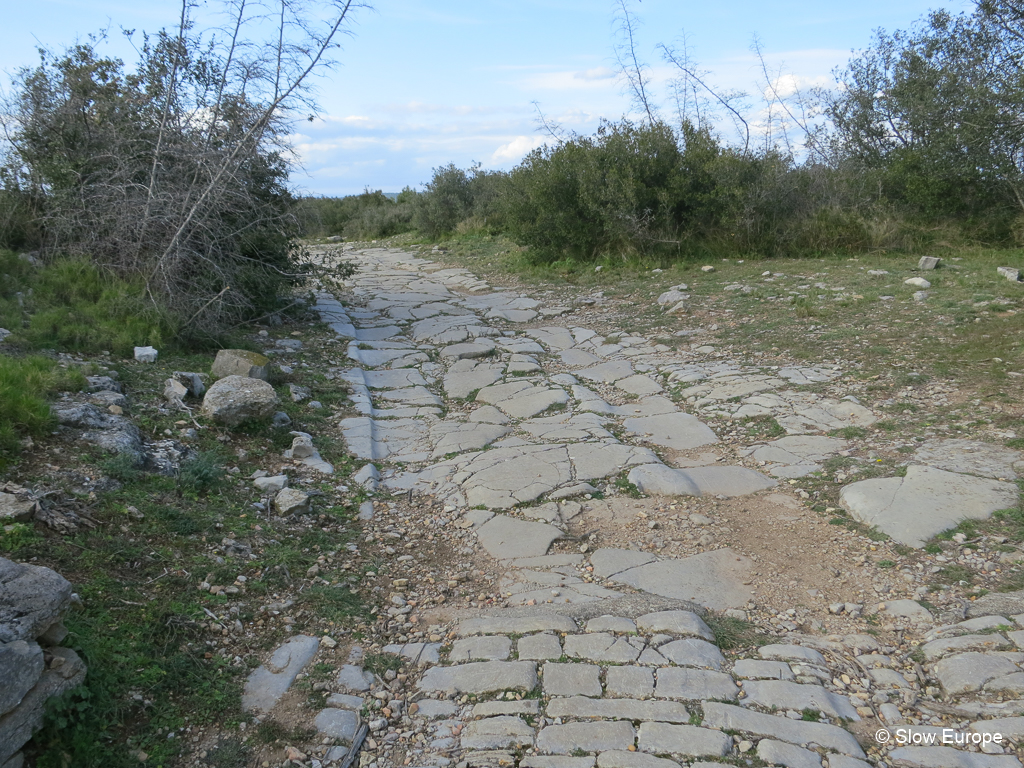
<point x="172" y="174"/>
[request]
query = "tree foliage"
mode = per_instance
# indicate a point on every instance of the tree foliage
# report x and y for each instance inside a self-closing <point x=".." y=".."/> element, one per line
<point x="173" y="173"/>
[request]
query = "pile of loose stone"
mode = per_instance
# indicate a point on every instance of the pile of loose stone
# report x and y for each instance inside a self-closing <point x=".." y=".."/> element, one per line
<point x="457" y="404"/>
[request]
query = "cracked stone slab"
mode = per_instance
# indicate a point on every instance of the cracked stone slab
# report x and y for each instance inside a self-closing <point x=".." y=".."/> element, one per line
<point x="618" y="709"/>
<point x="600" y="646"/>
<point x="925" y="502"/>
<point x="506" y="537"/>
<point x="730" y="717"/>
<point x="501" y="478"/>
<point x="463" y="380"/>
<point x="607" y="373"/>
<point x="779" y="753"/>
<point x="695" y="684"/>
<point x="688" y="740"/>
<point x="373" y="440"/>
<point x="593" y="461"/>
<point x="948" y="757"/>
<point x="268" y="683"/>
<point x="785" y="695"/>
<point x="610" y="561"/>
<point x="676" y="623"/>
<point x="971" y="457"/>
<point x="459" y="437"/>
<point x="639" y="385"/>
<point x="714" y="580"/>
<point x="521" y="399"/>
<point x="481" y="677"/>
<point x="503" y="732"/>
<point x="680" y="431"/>
<point x="590" y="737"/>
<point x="970" y="671"/>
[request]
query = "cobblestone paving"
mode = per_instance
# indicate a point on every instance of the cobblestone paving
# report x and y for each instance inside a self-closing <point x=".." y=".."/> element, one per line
<point x="563" y="682"/>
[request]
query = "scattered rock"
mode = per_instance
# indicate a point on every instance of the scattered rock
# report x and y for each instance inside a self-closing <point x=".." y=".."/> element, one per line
<point x="235" y="399"/>
<point x="241" y="362"/>
<point x="145" y="354"/>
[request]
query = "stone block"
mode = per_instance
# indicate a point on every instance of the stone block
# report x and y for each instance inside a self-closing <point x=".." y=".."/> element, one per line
<point x="589" y="737"/>
<point x="572" y="679"/>
<point x="539" y="647"/>
<point x="487" y="648"/>
<point x="581" y="707"/>
<point x="686" y="740"/>
<point x="632" y="682"/>
<point x="694" y="684"/>
<point x="481" y="677"/>
<point x="504" y="732"/>
<point x="240" y="362"/>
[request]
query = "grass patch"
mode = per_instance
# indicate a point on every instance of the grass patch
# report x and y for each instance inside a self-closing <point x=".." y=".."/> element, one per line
<point x="379" y="663"/>
<point x="732" y="633"/>
<point x="25" y="384"/>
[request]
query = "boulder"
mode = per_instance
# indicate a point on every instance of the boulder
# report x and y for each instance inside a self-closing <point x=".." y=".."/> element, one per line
<point x="32" y="600"/>
<point x="917" y="282"/>
<point x="1011" y="274"/>
<point x="145" y="354"/>
<point x="235" y="399"/>
<point x="174" y="391"/>
<point x="928" y="262"/>
<point x="13" y="510"/>
<point x="291" y="501"/>
<point x="241" y="362"/>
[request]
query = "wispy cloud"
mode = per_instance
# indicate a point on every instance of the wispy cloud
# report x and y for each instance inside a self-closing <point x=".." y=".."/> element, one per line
<point x="515" y="149"/>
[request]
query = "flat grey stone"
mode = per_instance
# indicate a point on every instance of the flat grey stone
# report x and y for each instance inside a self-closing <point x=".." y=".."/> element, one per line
<point x="539" y="647"/>
<point x="497" y="733"/>
<point x="728" y="481"/>
<point x="590" y="737"/>
<point x="493" y="708"/>
<point x="337" y="723"/>
<point x="607" y="373"/>
<point x="432" y="709"/>
<point x="487" y="648"/>
<point x="461" y="384"/>
<point x="971" y="457"/>
<point x="572" y="679"/>
<point x="1008" y="727"/>
<point x="925" y="502"/>
<point x="506" y="537"/>
<point x="845" y="761"/>
<point x="493" y="625"/>
<point x="754" y="669"/>
<point x="555" y="761"/>
<point x="686" y="740"/>
<point x="503" y="477"/>
<point x="353" y="678"/>
<point x="676" y="623"/>
<point x="618" y="709"/>
<point x="608" y="561"/>
<point x="714" y="580"/>
<point x="695" y="684"/>
<point x="521" y="399"/>
<point x="469" y="350"/>
<point x="970" y="671"/>
<point x="615" y="759"/>
<point x="730" y="717"/>
<point x="596" y="460"/>
<point x="780" y="694"/>
<point x="345" y="701"/>
<point x="268" y="683"/>
<point x="1009" y="684"/>
<point x="692" y="652"/>
<point x="908" y="609"/>
<point x="792" y="653"/>
<point x="888" y="678"/>
<point x="948" y="757"/>
<point x="944" y="646"/>
<point x="481" y="677"/>
<point x="779" y="753"/>
<point x="631" y="682"/>
<point x="639" y="385"/>
<point x="600" y="646"/>
<point x="680" y="431"/>
<point x="618" y="624"/>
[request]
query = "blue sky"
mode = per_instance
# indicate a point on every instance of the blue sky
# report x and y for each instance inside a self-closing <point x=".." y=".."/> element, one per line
<point x="421" y="84"/>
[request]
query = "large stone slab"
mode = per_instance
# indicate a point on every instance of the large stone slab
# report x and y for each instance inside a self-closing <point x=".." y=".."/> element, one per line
<point x="971" y="457"/>
<point x="494" y="625"/>
<point x="714" y="580"/>
<point x="674" y="622"/>
<point x="779" y="694"/>
<point x="686" y="740"/>
<point x="507" y="537"/>
<point x="609" y="561"/>
<point x="481" y="677"/>
<point x="501" y="478"/>
<point x="680" y="431"/>
<point x="729" y="717"/>
<point x="695" y="684"/>
<point x="268" y="683"/>
<point x="609" y="372"/>
<point x="970" y="671"/>
<point x="617" y="709"/>
<point x="925" y="502"/>
<point x="503" y="732"/>
<point x="521" y="399"/>
<point x="240" y="362"/>
<point x="948" y="757"/>
<point x="589" y="737"/>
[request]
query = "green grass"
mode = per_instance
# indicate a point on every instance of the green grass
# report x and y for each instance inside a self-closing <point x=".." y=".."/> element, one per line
<point x="732" y="633"/>
<point x="379" y="663"/>
<point x="25" y="384"/>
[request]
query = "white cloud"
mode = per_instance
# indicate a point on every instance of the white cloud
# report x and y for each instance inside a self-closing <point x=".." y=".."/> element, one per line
<point x="597" y="73"/>
<point x="516" y="148"/>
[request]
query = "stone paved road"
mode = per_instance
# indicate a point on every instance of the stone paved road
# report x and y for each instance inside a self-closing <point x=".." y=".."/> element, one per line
<point x="489" y="402"/>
